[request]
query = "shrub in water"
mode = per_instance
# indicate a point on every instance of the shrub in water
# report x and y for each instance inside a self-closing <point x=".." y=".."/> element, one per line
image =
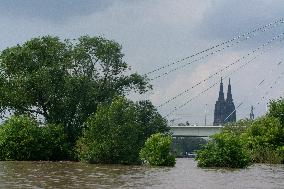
<point x="157" y="151"/>
<point x="116" y="133"/>
<point x="224" y="150"/>
<point x="21" y="138"/>
<point x="55" y="143"/>
<point x="264" y="138"/>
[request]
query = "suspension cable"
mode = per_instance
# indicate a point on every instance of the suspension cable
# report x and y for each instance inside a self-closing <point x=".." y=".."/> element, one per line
<point x="220" y="71"/>
<point x="263" y="28"/>
<point x="213" y="85"/>
<point x="195" y="60"/>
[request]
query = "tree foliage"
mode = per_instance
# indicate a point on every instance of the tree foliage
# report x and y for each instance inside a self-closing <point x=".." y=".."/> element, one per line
<point x="247" y="141"/>
<point x="157" y="151"/>
<point x="117" y="132"/>
<point x="224" y="150"/>
<point x="55" y="143"/>
<point x="238" y="127"/>
<point x="21" y="138"/>
<point x="264" y="139"/>
<point x="276" y="109"/>
<point x="64" y="81"/>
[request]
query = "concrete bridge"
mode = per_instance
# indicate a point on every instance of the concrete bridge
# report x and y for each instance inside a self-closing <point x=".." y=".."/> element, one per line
<point x="194" y="131"/>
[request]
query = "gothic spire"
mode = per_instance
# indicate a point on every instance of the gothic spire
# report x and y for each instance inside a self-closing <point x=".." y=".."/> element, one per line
<point x="221" y="93"/>
<point x="229" y="92"/>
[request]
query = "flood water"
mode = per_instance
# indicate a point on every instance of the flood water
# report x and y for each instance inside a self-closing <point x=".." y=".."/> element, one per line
<point x="184" y="175"/>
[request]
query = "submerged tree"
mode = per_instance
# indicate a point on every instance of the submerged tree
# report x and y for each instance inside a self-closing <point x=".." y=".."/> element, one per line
<point x="64" y="81"/>
<point x="224" y="149"/>
<point x="21" y="138"/>
<point x="117" y="132"/>
<point x="157" y="151"/>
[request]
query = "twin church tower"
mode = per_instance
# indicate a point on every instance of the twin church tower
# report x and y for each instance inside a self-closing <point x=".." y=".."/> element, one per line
<point x="224" y="108"/>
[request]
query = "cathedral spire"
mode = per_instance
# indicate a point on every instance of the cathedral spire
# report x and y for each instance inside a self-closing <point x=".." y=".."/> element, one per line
<point x="229" y="92"/>
<point x="221" y="93"/>
<point x="224" y="111"/>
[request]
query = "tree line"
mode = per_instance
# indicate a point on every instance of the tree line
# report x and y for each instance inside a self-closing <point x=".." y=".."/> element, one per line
<point x="68" y="101"/>
<point x="247" y="141"/>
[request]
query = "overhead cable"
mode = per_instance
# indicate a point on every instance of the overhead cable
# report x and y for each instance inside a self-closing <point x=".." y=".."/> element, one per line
<point x="195" y="60"/>
<point x="207" y="89"/>
<point x="263" y="28"/>
<point x="221" y="70"/>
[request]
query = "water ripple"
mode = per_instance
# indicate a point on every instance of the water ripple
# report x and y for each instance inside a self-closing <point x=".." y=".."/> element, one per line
<point x="184" y="175"/>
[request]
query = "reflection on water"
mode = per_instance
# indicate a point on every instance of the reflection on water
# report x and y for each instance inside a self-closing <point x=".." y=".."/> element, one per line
<point x="184" y="175"/>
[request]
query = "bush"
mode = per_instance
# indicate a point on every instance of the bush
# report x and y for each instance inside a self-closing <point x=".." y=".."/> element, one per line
<point x="116" y="133"/>
<point x="55" y="143"/>
<point x="238" y="127"/>
<point x="224" y="150"/>
<point x="263" y="139"/>
<point x="280" y="151"/>
<point x="266" y="154"/>
<point x="276" y="109"/>
<point x="157" y="151"/>
<point x="21" y="138"/>
<point x="260" y="141"/>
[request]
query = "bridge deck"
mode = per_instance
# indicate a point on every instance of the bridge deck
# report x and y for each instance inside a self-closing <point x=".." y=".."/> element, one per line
<point x="194" y="131"/>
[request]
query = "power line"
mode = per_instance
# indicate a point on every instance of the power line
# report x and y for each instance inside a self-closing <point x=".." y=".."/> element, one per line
<point x="278" y="64"/>
<point x="213" y="85"/>
<point x="204" y="91"/>
<point x="273" y="24"/>
<point x="220" y="71"/>
<point x="233" y="111"/>
<point x="251" y="92"/>
<point x="196" y="60"/>
<point x="271" y="87"/>
<point x="261" y="98"/>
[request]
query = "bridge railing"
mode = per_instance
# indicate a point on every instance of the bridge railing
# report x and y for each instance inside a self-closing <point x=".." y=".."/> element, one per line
<point x="194" y="131"/>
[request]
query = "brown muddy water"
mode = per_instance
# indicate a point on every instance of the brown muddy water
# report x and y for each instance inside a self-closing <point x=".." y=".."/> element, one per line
<point x="184" y="175"/>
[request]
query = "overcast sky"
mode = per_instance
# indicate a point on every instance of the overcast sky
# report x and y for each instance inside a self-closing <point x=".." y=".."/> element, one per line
<point x="154" y="33"/>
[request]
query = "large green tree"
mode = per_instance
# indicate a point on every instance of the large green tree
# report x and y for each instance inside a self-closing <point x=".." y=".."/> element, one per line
<point x="117" y="132"/>
<point x="63" y="81"/>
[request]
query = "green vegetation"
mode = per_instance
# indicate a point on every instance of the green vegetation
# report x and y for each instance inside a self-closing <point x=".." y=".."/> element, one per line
<point x="21" y="138"/>
<point x="276" y="109"/>
<point x="56" y="89"/>
<point x="68" y="102"/>
<point x="224" y="150"/>
<point x="64" y="81"/>
<point x="247" y="141"/>
<point x="116" y="133"/>
<point x="264" y="138"/>
<point x="157" y="151"/>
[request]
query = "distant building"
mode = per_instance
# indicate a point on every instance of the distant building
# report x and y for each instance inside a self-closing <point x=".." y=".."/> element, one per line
<point x="224" y="109"/>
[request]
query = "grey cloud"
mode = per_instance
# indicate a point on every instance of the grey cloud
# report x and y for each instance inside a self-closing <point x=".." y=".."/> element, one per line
<point x="226" y="18"/>
<point x="51" y="10"/>
<point x="157" y="32"/>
